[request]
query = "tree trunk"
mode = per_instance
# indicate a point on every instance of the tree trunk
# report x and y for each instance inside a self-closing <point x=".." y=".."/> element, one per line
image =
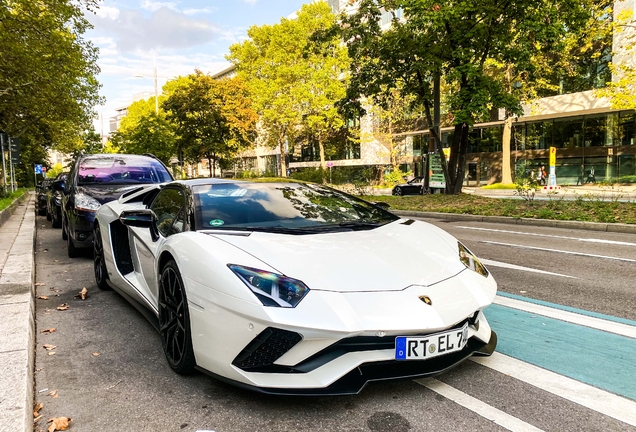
<point x="283" y="162"/>
<point x="506" y="176"/>
<point x="323" y="163"/>
<point x="457" y="161"/>
<point x="214" y="165"/>
<point x="210" y="164"/>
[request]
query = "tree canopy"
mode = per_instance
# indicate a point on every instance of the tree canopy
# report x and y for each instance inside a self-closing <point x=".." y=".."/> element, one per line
<point x="48" y="84"/>
<point x="213" y="118"/>
<point x="295" y="80"/>
<point x="463" y="43"/>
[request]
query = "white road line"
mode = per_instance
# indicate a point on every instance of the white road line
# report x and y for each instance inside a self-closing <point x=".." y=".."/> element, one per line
<point x="558" y="251"/>
<point x="586" y="395"/>
<point x="571" y="317"/>
<point x="492" y="263"/>
<point x="475" y="405"/>
<point x="591" y="240"/>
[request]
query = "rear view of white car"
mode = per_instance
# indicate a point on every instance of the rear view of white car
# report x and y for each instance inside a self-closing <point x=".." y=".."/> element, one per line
<point x="292" y="288"/>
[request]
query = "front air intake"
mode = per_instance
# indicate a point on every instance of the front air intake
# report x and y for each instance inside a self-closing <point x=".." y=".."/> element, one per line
<point x="266" y="348"/>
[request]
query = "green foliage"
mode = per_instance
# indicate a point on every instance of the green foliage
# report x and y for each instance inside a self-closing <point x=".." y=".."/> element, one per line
<point x="463" y="42"/>
<point x="295" y="80"/>
<point x="526" y="188"/>
<point x="395" y="177"/>
<point x="213" y="118"/>
<point x="357" y="175"/>
<point x="55" y="170"/>
<point x="7" y="198"/>
<point x="48" y="84"/>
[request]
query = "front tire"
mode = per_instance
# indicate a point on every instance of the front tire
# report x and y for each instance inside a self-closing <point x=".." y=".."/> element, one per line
<point x="397" y="191"/>
<point x="174" y="321"/>
<point x="73" y="252"/>
<point x="99" y="264"/>
<point x="64" y="228"/>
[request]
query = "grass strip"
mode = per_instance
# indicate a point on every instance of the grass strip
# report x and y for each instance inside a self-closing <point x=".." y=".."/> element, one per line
<point x="12" y="196"/>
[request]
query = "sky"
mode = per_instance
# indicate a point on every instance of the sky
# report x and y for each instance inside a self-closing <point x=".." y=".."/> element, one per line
<point x="179" y="35"/>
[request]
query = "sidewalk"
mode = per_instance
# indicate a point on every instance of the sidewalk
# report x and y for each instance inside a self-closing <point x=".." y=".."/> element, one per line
<point x="17" y="308"/>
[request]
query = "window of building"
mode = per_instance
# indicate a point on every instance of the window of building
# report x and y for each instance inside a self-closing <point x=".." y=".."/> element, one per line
<point x="568" y="132"/>
<point x="626" y="127"/>
<point x="538" y="135"/>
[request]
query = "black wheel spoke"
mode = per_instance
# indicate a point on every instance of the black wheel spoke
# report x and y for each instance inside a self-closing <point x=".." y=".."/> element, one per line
<point x="172" y="317"/>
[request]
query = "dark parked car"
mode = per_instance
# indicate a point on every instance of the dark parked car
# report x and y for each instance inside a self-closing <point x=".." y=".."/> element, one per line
<point x="412" y="187"/>
<point x="98" y="179"/>
<point x="41" y="190"/>
<point x="54" y="202"/>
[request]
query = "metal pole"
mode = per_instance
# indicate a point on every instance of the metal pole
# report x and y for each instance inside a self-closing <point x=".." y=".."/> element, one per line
<point x="4" y="165"/>
<point x="156" y="90"/>
<point x="11" y="167"/>
<point x="436" y="108"/>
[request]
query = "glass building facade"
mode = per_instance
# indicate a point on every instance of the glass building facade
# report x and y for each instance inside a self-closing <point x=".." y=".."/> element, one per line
<point x="603" y="145"/>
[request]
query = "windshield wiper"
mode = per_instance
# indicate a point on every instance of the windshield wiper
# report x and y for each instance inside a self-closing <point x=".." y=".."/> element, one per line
<point x="361" y="225"/>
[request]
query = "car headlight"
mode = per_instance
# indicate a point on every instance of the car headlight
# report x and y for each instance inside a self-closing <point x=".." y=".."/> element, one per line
<point x="271" y="289"/>
<point x="85" y="202"/>
<point x="471" y="261"/>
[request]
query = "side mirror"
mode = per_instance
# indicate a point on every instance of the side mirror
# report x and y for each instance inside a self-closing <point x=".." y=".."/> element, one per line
<point x="383" y="205"/>
<point x="141" y="219"/>
<point x="59" y="185"/>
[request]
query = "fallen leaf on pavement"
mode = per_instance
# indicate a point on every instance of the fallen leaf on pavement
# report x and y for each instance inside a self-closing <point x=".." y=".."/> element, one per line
<point x="59" y="423"/>
<point x="51" y="352"/>
<point x="43" y="297"/>
<point x="37" y="419"/>
<point x="68" y="280"/>
<point x="82" y="294"/>
<point x="62" y="307"/>
<point x="37" y="408"/>
<point x="49" y="347"/>
<point x="49" y="330"/>
<point x="40" y="284"/>
<point x="95" y="354"/>
<point x="53" y="394"/>
<point x="57" y="260"/>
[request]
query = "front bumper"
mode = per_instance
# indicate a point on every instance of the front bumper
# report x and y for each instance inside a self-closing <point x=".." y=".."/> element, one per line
<point x="82" y="229"/>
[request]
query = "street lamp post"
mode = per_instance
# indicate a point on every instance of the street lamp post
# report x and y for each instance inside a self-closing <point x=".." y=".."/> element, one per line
<point x="156" y="86"/>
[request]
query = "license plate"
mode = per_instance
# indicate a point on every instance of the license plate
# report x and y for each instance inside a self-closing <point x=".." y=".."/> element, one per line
<point x="429" y="346"/>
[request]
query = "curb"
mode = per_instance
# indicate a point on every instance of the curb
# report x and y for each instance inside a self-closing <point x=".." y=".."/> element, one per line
<point x="17" y="340"/>
<point x="7" y="212"/>
<point x="590" y="226"/>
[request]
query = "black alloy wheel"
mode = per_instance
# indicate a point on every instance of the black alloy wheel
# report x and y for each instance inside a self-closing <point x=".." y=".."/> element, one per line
<point x="174" y="321"/>
<point x="397" y="191"/>
<point x="47" y="214"/>
<point x="56" y="220"/>
<point x="99" y="265"/>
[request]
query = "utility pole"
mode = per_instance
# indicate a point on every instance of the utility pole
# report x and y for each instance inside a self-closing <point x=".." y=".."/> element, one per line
<point x="156" y="88"/>
<point x="11" y="167"/>
<point x="4" y="165"/>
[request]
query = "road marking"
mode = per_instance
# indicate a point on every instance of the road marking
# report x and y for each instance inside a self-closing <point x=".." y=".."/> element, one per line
<point x="558" y="251"/>
<point x="475" y="405"/>
<point x="492" y="263"/>
<point x="571" y="317"/>
<point x="591" y="240"/>
<point x="583" y="394"/>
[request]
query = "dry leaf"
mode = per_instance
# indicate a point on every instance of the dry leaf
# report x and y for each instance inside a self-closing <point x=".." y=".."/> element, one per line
<point x="82" y="294"/>
<point x="59" y="424"/>
<point x="53" y="394"/>
<point x="57" y="260"/>
<point x="49" y="347"/>
<point x="43" y="297"/>
<point x="68" y="280"/>
<point x="37" y="419"/>
<point x="51" y="353"/>
<point x="62" y="307"/>
<point x="40" y="284"/>
<point x="37" y="408"/>
<point x="49" y="330"/>
<point x="95" y="354"/>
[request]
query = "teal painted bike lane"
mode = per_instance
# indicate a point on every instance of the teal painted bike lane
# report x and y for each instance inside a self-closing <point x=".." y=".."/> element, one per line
<point x="595" y="357"/>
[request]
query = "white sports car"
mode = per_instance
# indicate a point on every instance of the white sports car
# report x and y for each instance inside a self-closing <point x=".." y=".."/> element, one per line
<point x="292" y="288"/>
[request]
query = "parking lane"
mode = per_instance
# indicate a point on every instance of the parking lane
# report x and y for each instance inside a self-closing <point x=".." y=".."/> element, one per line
<point x="129" y="386"/>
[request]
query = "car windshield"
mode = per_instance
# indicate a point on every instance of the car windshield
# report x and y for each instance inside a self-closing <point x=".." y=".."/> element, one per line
<point x="283" y="207"/>
<point x="121" y="170"/>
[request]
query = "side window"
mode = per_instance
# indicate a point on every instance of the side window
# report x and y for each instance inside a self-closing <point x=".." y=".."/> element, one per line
<point x="169" y="208"/>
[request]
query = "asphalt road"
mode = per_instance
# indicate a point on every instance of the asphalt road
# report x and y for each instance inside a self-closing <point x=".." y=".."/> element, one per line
<point x="109" y="373"/>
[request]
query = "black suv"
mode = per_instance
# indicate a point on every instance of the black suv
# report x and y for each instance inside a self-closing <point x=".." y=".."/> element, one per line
<point x="95" y="180"/>
<point x="54" y="203"/>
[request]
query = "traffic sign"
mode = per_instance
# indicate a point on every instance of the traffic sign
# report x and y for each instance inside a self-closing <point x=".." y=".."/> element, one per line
<point x="38" y="168"/>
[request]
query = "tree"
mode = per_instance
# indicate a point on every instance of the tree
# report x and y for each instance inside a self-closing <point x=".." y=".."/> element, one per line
<point x="295" y="80"/>
<point x="144" y="131"/>
<point x="213" y="118"/>
<point x="47" y="79"/>
<point x="456" y="41"/>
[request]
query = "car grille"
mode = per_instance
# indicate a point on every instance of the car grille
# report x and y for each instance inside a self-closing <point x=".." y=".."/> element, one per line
<point x="266" y="348"/>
